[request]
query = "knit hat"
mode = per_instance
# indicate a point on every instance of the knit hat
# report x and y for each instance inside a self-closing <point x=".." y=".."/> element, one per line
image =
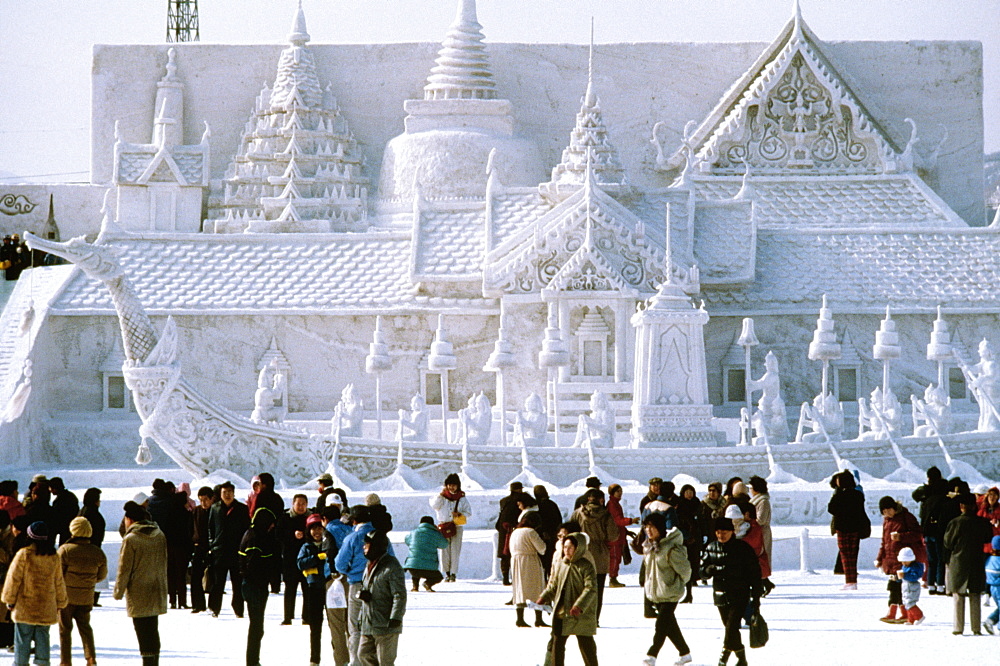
<point x="724" y="524"/>
<point x="38" y="531"/>
<point x="80" y="527"/>
<point x="995" y="545"/>
<point x="733" y="512"/>
<point x="372" y="499"/>
<point x="314" y="519"/>
<point x="906" y="555"/>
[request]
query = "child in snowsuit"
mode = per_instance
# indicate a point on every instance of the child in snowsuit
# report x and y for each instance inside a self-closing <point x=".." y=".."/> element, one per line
<point x="910" y="575"/>
<point x="993" y="580"/>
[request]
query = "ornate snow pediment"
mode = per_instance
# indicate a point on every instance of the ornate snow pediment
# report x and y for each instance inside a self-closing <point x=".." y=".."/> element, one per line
<point x="589" y="270"/>
<point x="791" y="112"/>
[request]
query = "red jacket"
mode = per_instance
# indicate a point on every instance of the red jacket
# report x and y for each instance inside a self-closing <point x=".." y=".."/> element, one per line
<point x="615" y="509"/>
<point x="992" y="515"/>
<point x="755" y="539"/>
<point x="12" y="506"/>
<point x="908" y="527"/>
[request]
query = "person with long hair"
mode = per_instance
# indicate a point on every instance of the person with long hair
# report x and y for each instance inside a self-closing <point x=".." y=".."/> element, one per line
<point x="451" y="506"/>
<point x="34" y="591"/>
<point x="572" y="593"/>
<point x="258" y="560"/>
<point x="668" y="570"/>
<point x="850" y="524"/>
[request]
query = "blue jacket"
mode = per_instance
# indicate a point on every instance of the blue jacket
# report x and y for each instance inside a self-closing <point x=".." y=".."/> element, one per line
<point x="993" y="570"/>
<point x="351" y="559"/>
<point x="913" y="571"/>
<point x="424" y="543"/>
<point x="309" y="560"/>
<point x="339" y="532"/>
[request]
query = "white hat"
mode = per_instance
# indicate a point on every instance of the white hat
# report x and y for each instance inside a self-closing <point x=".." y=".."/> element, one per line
<point x="733" y="512"/>
<point x="906" y="555"/>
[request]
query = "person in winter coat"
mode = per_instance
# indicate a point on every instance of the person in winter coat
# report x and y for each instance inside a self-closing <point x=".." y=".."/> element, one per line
<point x="900" y="529"/>
<point x="572" y="593"/>
<point x="850" y="524"/>
<point x="200" y="548"/>
<point x="652" y="492"/>
<point x="507" y="520"/>
<point x="84" y="565"/>
<point x="736" y="583"/>
<point x="933" y="497"/>
<point x="228" y="521"/>
<point x="169" y="511"/>
<point x="8" y="499"/>
<point x="383" y="599"/>
<point x="597" y="523"/>
<point x="292" y="540"/>
<point x="911" y="573"/>
<point x="713" y="507"/>
<point x="761" y="502"/>
<point x="379" y="515"/>
<point x="993" y="581"/>
<point x="452" y="506"/>
<point x="6" y="555"/>
<point x="422" y="560"/>
<point x="989" y="508"/>
<point x="963" y="548"/>
<point x="689" y="510"/>
<point x="746" y="529"/>
<point x="550" y="517"/>
<point x="619" y="544"/>
<point x="527" y="575"/>
<point x="668" y="570"/>
<point x="258" y="560"/>
<point x="65" y="507"/>
<point x="142" y="579"/>
<point x="268" y="498"/>
<point x="314" y="563"/>
<point x="34" y="592"/>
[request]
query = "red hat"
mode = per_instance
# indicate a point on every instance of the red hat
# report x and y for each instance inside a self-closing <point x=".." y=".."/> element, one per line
<point x="314" y="519"/>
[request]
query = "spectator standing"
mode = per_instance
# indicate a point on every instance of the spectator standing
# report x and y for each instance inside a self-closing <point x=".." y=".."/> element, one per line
<point x="652" y="493"/>
<point x="168" y="510"/>
<point x="572" y="592"/>
<point x="8" y="499"/>
<point x="550" y="517"/>
<point x="383" y="597"/>
<point x="258" y="560"/>
<point x="900" y="529"/>
<point x="713" y="508"/>
<point x="422" y="561"/>
<point x="597" y="524"/>
<point x="324" y="484"/>
<point x="620" y="543"/>
<point x="592" y="483"/>
<point x="668" y="571"/>
<point x="378" y="514"/>
<point x="269" y="499"/>
<point x="200" y="548"/>
<point x="527" y="575"/>
<point x="452" y="506"/>
<point x="735" y="572"/>
<point x="84" y="565"/>
<point x="65" y="507"/>
<point x="910" y="574"/>
<point x="314" y="563"/>
<point x="228" y="521"/>
<point x="39" y="508"/>
<point x="294" y="537"/>
<point x="91" y="510"/>
<point x="993" y="581"/>
<point x="689" y="522"/>
<point x="963" y="549"/>
<point x="142" y="579"/>
<point x="989" y="509"/>
<point x="6" y="555"/>
<point x="507" y="520"/>
<point x="850" y="524"/>
<point x="761" y="501"/>
<point x="933" y="498"/>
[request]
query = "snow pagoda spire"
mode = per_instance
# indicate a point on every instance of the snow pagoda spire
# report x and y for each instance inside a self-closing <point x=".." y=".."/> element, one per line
<point x="296" y="84"/>
<point x="168" y="125"/>
<point x="588" y="141"/>
<point x="462" y="69"/>
<point x="299" y="34"/>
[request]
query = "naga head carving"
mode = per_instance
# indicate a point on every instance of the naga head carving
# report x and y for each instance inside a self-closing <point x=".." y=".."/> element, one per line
<point x="98" y="261"/>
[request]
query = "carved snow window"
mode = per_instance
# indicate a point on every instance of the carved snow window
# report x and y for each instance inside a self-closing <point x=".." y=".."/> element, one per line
<point x="117" y="397"/>
<point x="593" y="339"/>
<point x="735" y="385"/>
<point x="845" y="384"/>
<point x="432" y="387"/>
<point x="163" y="208"/>
<point x="957" y="388"/>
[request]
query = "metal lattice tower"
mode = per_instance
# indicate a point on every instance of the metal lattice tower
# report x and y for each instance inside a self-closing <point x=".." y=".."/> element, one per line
<point x="182" y="21"/>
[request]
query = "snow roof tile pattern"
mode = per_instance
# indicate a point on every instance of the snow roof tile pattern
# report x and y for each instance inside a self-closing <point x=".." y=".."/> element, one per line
<point x="512" y="210"/>
<point x="256" y="274"/>
<point x="867" y="270"/>
<point x="835" y="202"/>
<point x="450" y="243"/>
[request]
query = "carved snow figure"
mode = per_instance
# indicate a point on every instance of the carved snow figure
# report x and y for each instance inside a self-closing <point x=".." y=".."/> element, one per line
<point x="769" y="422"/>
<point x="883" y="413"/>
<point x="597" y="429"/>
<point x="476" y="421"/>
<point x="268" y="407"/>
<point x="825" y="418"/>
<point x="413" y="426"/>
<point x="532" y="423"/>
<point x="932" y="415"/>
<point x="348" y="416"/>
<point x="984" y="381"/>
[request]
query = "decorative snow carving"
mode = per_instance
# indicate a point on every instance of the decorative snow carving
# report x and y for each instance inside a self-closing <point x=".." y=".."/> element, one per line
<point x="596" y="430"/>
<point x="769" y="421"/>
<point x="932" y="415"/>
<point x="984" y="381"/>
<point x="475" y="421"/>
<point x="824" y="418"/>
<point x="881" y="418"/>
<point x="531" y="425"/>
<point x="348" y="415"/>
<point x="413" y="425"/>
<point x="269" y="406"/>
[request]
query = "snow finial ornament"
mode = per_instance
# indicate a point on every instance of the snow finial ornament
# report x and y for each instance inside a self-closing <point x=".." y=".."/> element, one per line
<point x="462" y="69"/>
<point x="747" y="192"/>
<point x="171" y="75"/>
<point x="797" y="18"/>
<point x="591" y="98"/>
<point x="299" y="35"/>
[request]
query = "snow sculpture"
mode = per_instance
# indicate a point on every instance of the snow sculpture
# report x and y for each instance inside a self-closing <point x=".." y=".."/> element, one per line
<point x="475" y="421"/>
<point x="940" y="349"/>
<point x="413" y="426"/>
<point x="442" y="359"/>
<point x="769" y="421"/>
<point x="531" y="423"/>
<point x="984" y="381"/>
<point x="501" y="358"/>
<point x="348" y="416"/>
<point x="932" y="415"/>
<point x="881" y="417"/>
<point x="553" y="356"/>
<point x="825" y="419"/>
<point x="378" y="361"/>
<point x="597" y="429"/>
<point x="268" y="400"/>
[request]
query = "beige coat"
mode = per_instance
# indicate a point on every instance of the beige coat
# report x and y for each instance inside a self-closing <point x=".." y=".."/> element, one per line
<point x="35" y="587"/>
<point x="762" y="503"/>
<point x="84" y="566"/>
<point x="667" y="567"/>
<point x="528" y="577"/>
<point x="142" y="570"/>
<point x="574" y="584"/>
<point x="601" y="529"/>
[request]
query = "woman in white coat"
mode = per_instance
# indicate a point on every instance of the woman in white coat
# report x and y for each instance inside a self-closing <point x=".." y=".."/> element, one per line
<point x="527" y="574"/>
<point x="451" y="511"/>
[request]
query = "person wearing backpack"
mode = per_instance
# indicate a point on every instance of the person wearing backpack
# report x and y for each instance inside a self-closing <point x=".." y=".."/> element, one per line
<point x="668" y="570"/>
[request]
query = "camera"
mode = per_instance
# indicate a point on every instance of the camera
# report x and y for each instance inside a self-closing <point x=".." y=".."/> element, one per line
<point x="363" y="595"/>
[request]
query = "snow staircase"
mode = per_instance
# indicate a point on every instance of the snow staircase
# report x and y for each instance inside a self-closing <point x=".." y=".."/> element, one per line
<point x="574" y="399"/>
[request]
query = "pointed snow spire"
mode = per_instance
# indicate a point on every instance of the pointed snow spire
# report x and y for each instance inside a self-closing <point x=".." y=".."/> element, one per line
<point x="299" y="35"/>
<point x="296" y="80"/>
<point x="590" y="99"/>
<point x="169" y="121"/>
<point x="746" y="189"/>
<point x="462" y="69"/>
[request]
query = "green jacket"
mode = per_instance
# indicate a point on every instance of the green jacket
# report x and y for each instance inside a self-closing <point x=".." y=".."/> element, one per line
<point x="667" y="567"/>
<point x="387" y="586"/>
<point x="574" y="583"/>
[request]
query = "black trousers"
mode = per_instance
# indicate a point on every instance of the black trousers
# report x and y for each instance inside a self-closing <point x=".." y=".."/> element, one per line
<point x="255" y="595"/>
<point x="199" y="565"/>
<point x="732" y="619"/>
<point x="432" y="576"/>
<point x="147" y="630"/>
<point x="602" y="579"/>
<point x="177" y="563"/>
<point x="314" y="598"/>
<point x="557" y="646"/>
<point x="293" y="581"/>
<point x="667" y="627"/>
<point x="219" y="571"/>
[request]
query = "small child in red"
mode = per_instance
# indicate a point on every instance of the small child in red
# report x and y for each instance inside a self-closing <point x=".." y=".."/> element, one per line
<point x="911" y="573"/>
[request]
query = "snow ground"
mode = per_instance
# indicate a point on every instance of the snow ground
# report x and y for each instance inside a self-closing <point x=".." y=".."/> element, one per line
<point x="811" y="621"/>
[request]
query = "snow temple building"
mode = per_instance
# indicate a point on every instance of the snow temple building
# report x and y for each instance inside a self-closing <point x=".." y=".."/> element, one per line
<point x="275" y="223"/>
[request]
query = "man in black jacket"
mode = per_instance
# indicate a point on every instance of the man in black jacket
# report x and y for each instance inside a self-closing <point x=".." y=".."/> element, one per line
<point x="295" y="535"/>
<point x="550" y="518"/>
<point x="65" y="507"/>
<point x="735" y="570"/>
<point x="199" y="541"/>
<point x="266" y="497"/>
<point x="506" y="522"/>
<point x="933" y="498"/>
<point x="228" y="521"/>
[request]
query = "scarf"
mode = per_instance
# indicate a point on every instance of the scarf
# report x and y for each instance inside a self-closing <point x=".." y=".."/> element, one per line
<point x="452" y="497"/>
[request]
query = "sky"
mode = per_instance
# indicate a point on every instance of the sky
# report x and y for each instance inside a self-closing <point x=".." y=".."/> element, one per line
<point x="46" y="45"/>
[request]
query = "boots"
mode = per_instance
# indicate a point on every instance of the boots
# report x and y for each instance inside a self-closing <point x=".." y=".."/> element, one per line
<point x="614" y="582"/>
<point x="741" y="658"/>
<point x="506" y="578"/>
<point x="150" y="661"/>
<point x="539" y="622"/>
<point x="520" y="617"/>
<point x="97" y="596"/>
<point x="690" y="597"/>
<point x="914" y="615"/>
<point x="890" y="618"/>
<point x="725" y="657"/>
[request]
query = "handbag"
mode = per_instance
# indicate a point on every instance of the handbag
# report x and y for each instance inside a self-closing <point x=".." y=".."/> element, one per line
<point x="758" y="630"/>
<point x="448" y="530"/>
<point x="460" y="519"/>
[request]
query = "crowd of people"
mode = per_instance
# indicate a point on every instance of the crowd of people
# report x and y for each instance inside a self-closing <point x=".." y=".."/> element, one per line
<point x="178" y="553"/>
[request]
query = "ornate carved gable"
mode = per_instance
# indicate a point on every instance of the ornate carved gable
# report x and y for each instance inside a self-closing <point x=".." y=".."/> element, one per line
<point x="586" y="238"/>
<point x="792" y="112"/>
